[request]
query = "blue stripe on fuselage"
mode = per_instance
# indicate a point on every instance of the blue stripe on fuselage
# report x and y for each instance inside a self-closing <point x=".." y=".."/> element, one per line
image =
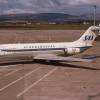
<point x="44" y="49"/>
<point x="21" y="50"/>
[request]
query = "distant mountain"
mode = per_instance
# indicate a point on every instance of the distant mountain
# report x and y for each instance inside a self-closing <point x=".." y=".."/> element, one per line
<point x="48" y="17"/>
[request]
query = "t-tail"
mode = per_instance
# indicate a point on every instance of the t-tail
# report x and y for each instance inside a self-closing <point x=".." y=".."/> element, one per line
<point x="89" y="36"/>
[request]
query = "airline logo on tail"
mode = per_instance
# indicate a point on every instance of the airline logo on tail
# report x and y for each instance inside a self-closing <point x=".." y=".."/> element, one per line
<point x="89" y="37"/>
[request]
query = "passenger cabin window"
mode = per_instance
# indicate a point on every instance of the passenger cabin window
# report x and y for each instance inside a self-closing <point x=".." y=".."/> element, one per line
<point x="41" y="46"/>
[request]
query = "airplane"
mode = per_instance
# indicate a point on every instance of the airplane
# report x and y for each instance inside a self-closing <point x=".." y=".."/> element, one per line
<point x="58" y="51"/>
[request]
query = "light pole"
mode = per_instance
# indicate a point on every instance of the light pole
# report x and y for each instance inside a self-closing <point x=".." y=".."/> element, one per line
<point x="94" y="15"/>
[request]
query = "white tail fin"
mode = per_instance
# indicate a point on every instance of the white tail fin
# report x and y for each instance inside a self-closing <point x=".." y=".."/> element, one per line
<point x="89" y="36"/>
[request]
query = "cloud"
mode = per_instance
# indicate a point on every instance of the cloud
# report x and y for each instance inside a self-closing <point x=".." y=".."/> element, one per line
<point x="3" y="1"/>
<point x="79" y="2"/>
<point x="17" y="11"/>
<point x="37" y="6"/>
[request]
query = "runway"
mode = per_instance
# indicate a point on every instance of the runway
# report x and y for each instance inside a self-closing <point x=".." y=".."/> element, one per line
<point x="50" y="81"/>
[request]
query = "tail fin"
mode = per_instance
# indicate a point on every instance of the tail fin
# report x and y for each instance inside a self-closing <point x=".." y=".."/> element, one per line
<point x="89" y="36"/>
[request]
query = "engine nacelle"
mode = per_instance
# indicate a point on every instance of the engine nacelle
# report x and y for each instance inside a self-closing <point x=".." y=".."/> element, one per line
<point x="72" y="51"/>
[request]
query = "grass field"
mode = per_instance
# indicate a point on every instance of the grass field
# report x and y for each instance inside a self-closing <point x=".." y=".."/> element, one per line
<point x="44" y="26"/>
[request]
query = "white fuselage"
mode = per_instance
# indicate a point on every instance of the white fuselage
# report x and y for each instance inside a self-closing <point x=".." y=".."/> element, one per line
<point x="68" y="48"/>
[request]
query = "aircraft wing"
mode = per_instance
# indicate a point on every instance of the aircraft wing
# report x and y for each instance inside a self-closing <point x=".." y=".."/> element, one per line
<point x="60" y="58"/>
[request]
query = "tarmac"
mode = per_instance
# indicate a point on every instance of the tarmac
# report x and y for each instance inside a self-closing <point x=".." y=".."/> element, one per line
<point x="45" y="80"/>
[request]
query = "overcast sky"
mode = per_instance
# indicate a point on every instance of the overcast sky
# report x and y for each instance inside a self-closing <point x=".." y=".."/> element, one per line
<point x="46" y="6"/>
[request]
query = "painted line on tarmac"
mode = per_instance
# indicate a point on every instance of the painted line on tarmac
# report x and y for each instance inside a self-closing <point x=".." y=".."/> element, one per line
<point x="10" y="66"/>
<point x="4" y="66"/>
<point x="3" y="88"/>
<point x="10" y="73"/>
<point x="35" y="83"/>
